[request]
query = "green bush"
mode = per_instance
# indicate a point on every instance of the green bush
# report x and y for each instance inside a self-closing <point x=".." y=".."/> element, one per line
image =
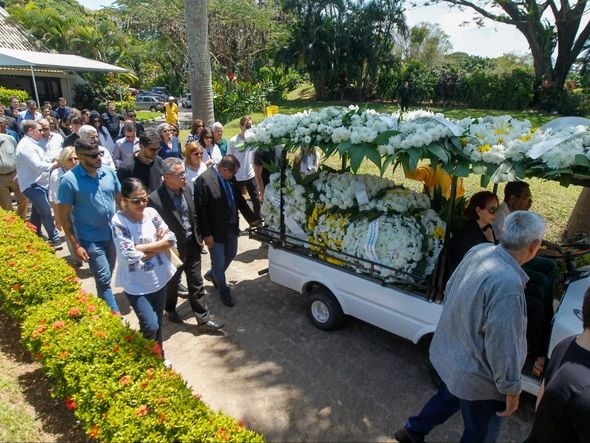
<point x="95" y="96"/>
<point x="6" y="93"/>
<point x="235" y="98"/>
<point x="109" y="375"/>
<point x="277" y="82"/>
<point x="575" y="102"/>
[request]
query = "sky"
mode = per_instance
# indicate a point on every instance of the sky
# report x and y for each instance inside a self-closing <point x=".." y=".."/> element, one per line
<point x="493" y="40"/>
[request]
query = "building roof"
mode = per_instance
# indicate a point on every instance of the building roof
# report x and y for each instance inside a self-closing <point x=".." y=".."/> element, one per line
<point x="13" y="36"/>
<point x="16" y="58"/>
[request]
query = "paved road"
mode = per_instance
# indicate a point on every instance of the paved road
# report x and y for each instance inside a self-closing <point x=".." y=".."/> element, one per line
<point x="292" y="382"/>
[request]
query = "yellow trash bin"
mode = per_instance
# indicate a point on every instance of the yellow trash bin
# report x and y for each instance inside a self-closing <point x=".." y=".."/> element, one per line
<point x="272" y="110"/>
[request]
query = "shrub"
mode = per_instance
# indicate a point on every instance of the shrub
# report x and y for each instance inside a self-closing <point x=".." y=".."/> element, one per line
<point x="277" y="82"/>
<point x="6" y="93"/>
<point x="235" y="98"/>
<point x="575" y="102"/>
<point x="109" y="375"/>
<point x="97" y="95"/>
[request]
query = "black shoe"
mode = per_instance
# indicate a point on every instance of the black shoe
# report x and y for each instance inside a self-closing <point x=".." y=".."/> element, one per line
<point x="402" y="435"/>
<point x="209" y="326"/>
<point x="227" y="300"/>
<point x="182" y="290"/>
<point x="173" y="317"/>
<point x="210" y="278"/>
<point x="57" y="244"/>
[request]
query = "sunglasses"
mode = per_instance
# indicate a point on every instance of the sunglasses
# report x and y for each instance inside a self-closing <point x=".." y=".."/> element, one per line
<point x="492" y="210"/>
<point x="137" y="201"/>
<point x="94" y="156"/>
<point x="208" y="136"/>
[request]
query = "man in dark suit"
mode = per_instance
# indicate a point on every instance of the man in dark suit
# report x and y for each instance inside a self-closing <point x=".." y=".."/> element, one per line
<point x="217" y="201"/>
<point x="175" y="204"/>
<point x="145" y="163"/>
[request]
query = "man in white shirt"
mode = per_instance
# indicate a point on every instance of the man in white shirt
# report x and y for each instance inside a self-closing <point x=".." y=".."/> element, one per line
<point x="32" y="170"/>
<point x="51" y="142"/>
<point x="30" y="113"/>
<point x="128" y="145"/>
<point x="246" y="175"/>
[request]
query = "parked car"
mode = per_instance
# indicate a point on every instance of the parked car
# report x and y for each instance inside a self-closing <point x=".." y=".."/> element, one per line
<point x="151" y="102"/>
<point x="186" y="101"/>
<point x="160" y="90"/>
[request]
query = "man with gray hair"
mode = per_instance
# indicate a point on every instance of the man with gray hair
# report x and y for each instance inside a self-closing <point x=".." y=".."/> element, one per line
<point x="128" y="145"/>
<point x="479" y="346"/>
<point x="90" y="134"/>
<point x="8" y="180"/>
<point x="174" y="202"/>
<point x="218" y="138"/>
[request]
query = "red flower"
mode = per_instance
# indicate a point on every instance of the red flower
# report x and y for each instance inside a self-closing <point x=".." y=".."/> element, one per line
<point x="70" y="403"/>
<point x="125" y="380"/>
<point x="10" y="264"/>
<point x="94" y="431"/>
<point x="144" y="385"/>
<point x="129" y="338"/>
<point x="91" y="308"/>
<point x="39" y="356"/>
<point x="15" y="287"/>
<point x="150" y="373"/>
<point x="74" y="312"/>
<point x="161" y="418"/>
<point x="157" y="349"/>
<point x="9" y="218"/>
<point x="241" y="424"/>
<point x="40" y="330"/>
<point x="116" y="348"/>
<point x="141" y="411"/>
<point x="100" y="334"/>
<point x="58" y="324"/>
<point x="31" y="227"/>
<point x="64" y="354"/>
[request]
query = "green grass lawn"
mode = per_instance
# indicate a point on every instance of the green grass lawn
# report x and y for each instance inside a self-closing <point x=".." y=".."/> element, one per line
<point x="550" y="199"/>
<point x="147" y="115"/>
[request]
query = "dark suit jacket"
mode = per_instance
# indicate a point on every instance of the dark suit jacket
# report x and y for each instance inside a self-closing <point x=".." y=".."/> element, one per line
<point x="161" y="201"/>
<point x="213" y="210"/>
<point x="128" y="169"/>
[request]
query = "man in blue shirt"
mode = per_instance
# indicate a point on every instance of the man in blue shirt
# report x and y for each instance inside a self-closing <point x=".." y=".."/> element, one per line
<point x="86" y="200"/>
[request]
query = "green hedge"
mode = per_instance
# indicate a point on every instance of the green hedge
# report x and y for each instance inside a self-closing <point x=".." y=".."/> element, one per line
<point x="6" y="93"/>
<point x="109" y="375"/>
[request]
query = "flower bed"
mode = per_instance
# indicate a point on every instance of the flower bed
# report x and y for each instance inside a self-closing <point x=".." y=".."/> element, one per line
<point x="364" y="220"/>
<point x="109" y="375"/>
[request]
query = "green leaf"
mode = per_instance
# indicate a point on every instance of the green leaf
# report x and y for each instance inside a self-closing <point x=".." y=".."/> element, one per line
<point x="582" y="160"/>
<point x="388" y="160"/>
<point x="372" y="154"/>
<point x="384" y="137"/>
<point x="414" y="158"/>
<point x="461" y="169"/>
<point x="356" y="157"/>
<point x="344" y="147"/>
<point x="440" y="152"/>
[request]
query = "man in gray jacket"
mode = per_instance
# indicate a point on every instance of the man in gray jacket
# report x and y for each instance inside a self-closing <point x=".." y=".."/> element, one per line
<point x="479" y="346"/>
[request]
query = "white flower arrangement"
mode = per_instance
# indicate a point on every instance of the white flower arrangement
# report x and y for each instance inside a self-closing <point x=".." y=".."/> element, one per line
<point x="294" y="202"/>
<point x="342" y="190"/>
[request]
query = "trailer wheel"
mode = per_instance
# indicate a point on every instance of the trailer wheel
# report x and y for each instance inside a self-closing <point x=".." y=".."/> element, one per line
<point x="323" y="310"/>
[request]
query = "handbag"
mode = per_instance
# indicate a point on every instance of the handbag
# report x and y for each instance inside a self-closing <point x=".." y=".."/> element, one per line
<point x="174" y="257"/>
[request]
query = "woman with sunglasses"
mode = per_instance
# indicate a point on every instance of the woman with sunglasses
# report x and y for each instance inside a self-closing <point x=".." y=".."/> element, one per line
<point x="104" y="137"/>
<point x="196" y="129"/>
<point x="67" y="159"/>
<point x="143" y="241"/>
<point x="211" y="152"/>
<point x="193" y="161"/>
<point x="480" y="214"/>
<point x="169" y="144"/>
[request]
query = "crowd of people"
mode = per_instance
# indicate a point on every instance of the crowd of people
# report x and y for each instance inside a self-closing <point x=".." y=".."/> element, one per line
<point x="123" y="193"/>
<point x="138" y="197"/>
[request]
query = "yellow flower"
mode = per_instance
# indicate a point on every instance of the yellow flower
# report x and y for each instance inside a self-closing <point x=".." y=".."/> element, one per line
<point x="463" y="141"/>
<point x="484" y="148"/>
<point x="439" y="232"/>
<point x="500" y="131"/>
<point x="500" y="140"/>
<point x="526" y="137"/>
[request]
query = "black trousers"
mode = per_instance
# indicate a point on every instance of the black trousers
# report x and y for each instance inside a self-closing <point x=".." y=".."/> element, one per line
<point x="252" y="189"/>
<point x="196" y="292"/>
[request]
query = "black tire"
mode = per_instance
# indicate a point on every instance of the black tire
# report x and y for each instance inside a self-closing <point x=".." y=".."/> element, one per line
<point x="323" y="310"/>
<point x="154" y="109"/>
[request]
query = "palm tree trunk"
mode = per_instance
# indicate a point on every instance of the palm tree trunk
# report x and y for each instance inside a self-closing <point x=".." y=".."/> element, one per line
<point x="199" y="61"/>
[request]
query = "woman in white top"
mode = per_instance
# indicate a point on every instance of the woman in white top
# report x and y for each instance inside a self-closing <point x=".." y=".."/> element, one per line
<point x="193" y="161"/>
<point x="308" y="159"/>
<point x="143" y="241"/>
<point x="211" y="153"/>
<point x="67" y="159"/>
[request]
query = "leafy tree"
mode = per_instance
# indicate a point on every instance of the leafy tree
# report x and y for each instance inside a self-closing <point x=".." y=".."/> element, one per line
<point x="555" y="31"/>
<point x="426" y="43"/>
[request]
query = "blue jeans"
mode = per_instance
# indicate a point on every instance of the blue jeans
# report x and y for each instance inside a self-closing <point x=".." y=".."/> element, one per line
<point x="222" y="255"/>
<point x="149" y="309"/>
<point x="41" y="211"/>
<point x="482" y="425"/>
<point x="102" y="256"/>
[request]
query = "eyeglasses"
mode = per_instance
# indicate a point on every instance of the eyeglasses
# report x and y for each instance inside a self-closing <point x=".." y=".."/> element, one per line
<point x="94" y="156"/>
<point x="166" y="130"/>
<point x="492" y="210"/>
<point x="137" y="201"/>
<point x="208" y="136"/>
<point x="179" y="174"/>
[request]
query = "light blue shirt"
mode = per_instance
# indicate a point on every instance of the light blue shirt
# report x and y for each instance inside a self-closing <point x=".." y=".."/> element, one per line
<point x="92" y="200"/>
